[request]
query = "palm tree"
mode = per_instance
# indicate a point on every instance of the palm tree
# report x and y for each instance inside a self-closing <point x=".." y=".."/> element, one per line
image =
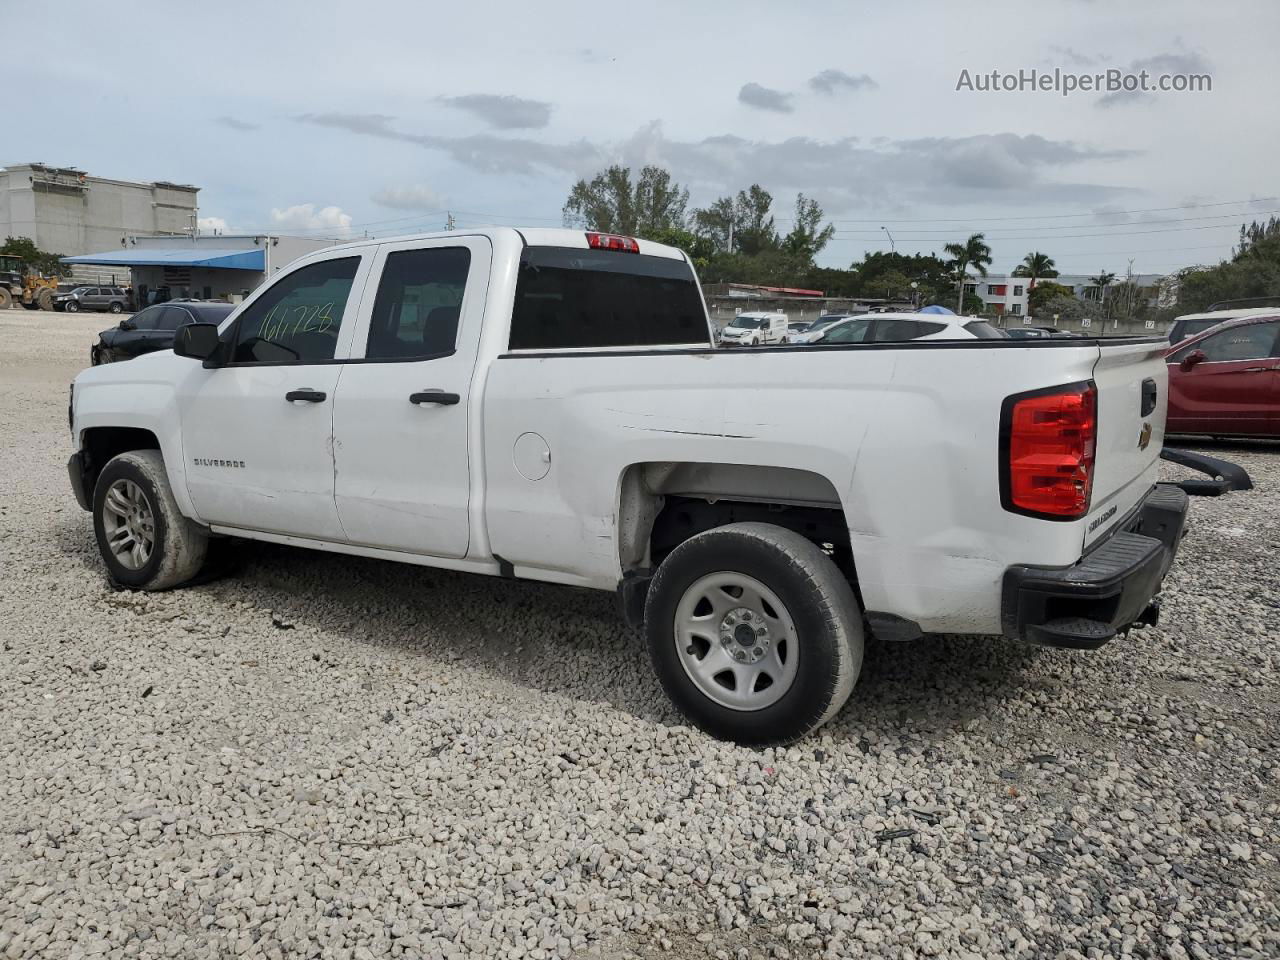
<point x="1036" y="265"/>
<point x="1102" y="281"/>
<point x="974" y="253"/>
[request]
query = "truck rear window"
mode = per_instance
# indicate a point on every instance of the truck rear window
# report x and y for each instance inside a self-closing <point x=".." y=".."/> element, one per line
<point x="566" y="297"/>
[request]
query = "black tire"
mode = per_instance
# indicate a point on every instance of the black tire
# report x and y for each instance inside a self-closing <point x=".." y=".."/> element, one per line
<point x="44" y="299"/>
<point x="819" y="601"/>
<point x="179" y="546"/>
<point x="6" y="298"/>
<point x="115" y="307"/>
<point x="71" y="307"/>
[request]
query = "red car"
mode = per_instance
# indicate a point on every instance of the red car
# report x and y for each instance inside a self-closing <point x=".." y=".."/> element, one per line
<point x="1226" y="380"/>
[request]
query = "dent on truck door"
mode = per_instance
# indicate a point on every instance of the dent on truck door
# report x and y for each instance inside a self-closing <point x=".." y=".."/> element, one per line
<point x="400" y="418"/>
<point x="257" y="433"/>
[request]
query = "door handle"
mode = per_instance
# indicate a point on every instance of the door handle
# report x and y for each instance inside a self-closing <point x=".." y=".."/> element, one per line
<point x="434" y="396"/>
<point x="1255" y="369"/>
<point x="307" y="394"/>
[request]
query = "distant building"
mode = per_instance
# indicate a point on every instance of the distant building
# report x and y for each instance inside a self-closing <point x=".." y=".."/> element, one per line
<point x="222" y="267"/>
<point x="1006" y="295"/>
<point x="68" y="211"/>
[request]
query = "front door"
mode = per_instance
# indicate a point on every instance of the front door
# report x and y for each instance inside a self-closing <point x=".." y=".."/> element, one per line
<point x="400" y="420"/>
<point x="1233" y="389"/>
<point x="257" y="432"/>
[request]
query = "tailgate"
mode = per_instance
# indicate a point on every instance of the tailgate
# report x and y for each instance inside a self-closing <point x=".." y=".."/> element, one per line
<point x="1132" y="382"/>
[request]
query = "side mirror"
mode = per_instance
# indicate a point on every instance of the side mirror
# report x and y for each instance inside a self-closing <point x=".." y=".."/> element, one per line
<point x="1191" y="359"/>
<point x="198" y="341"/>
<point x="128" y="325"/>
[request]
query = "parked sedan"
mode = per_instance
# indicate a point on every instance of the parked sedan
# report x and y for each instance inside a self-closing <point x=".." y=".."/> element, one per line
<point x="152" y="329"/>
<point x="1225" y="381"/>
<point x="108" y="299"/>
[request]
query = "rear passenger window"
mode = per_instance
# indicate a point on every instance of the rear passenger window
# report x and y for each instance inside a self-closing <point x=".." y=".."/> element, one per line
<point x="415" y="314"/>
<point x="297" y="319"/>
<point x="567" y="297"/>
<point x="894" y="331"/>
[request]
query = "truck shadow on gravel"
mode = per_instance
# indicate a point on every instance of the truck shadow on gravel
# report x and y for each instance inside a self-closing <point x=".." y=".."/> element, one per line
<point x="564" y="640"/>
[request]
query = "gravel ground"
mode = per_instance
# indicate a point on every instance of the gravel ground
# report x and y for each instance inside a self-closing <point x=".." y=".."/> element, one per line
<point x="323" y="756"/>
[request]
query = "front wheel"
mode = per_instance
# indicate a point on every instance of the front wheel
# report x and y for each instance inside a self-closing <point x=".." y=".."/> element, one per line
<point x="754" y="633"/>
<point x="145" y="541"/>
<point x="72" y="307"/>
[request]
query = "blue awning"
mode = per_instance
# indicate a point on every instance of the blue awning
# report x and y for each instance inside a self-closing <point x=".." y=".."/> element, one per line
<point x="216" y="258"/>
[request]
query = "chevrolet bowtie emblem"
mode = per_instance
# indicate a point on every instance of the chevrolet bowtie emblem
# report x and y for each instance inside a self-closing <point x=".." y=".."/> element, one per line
<point x="1144" y="438"/>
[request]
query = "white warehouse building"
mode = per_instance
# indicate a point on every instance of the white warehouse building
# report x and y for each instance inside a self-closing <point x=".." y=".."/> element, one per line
<point x="67" y="211"/>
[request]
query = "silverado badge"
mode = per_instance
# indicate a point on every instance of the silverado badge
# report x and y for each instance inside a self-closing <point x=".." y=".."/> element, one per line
<point x="1144" y="437"/>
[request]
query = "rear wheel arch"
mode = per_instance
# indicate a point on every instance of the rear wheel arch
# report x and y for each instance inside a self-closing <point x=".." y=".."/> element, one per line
<point x="662" y="504"/>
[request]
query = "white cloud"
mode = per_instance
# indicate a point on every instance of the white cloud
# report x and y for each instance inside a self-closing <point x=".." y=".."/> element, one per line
<point x="414" y="197"/>
<point x="305" y="218"/>
<point x="212" y="225"/>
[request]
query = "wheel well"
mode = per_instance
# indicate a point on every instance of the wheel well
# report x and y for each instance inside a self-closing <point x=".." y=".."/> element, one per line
<point x="664" y="504"/>
<point x="103" y="443"/>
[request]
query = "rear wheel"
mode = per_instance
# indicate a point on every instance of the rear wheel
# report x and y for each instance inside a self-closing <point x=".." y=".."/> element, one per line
<point x="115" y="307"/>
<point x="754" y="633"/>
<point x="6" y="299"/>
<point x="145" y="541"/>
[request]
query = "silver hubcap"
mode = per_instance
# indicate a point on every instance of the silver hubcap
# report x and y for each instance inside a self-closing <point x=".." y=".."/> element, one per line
<point x="130" y="524"/>
<point x="736" y="641"/>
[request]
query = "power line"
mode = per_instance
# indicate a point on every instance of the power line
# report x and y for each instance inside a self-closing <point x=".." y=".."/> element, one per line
<point x="1049" y="216"/>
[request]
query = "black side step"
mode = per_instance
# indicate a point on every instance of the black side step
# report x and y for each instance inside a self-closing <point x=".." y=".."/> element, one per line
<point x="1226" y="475"/>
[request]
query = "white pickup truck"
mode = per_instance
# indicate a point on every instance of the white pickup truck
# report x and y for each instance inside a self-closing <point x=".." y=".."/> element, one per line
<point x="550" y="405"/>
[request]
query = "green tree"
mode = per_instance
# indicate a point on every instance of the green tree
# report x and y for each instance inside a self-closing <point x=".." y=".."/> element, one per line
<point x="740" y="224"/>
<point x="611" y="202"/>
<point x="700" y="249"/>
<point x="1038" y="298"/>
<point x="973" y="253"/>
<point x="1068" y="309"/>
<point x="807" y="238"/>
<point x="931" y="275"/>
<point x="49" y="264"/>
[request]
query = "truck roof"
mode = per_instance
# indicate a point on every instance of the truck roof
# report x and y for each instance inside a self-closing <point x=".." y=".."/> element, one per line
<point x="531" y="236"/>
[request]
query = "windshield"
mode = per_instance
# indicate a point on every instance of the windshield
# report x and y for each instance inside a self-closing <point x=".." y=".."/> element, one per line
<point x="748" y="323"/>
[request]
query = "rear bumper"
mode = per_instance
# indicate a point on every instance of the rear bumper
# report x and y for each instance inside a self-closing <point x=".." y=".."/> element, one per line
<point x="79" y="480"/>
<point x="1108" y="590"/>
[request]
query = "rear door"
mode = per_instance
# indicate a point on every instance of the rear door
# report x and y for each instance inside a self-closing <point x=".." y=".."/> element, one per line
<point x="1234" y="389"/>
<point x="1131" y="380"/>
<point x="400" y="419"/>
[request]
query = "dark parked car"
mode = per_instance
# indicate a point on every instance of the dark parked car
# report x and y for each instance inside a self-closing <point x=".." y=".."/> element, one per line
<point x="1225" y="381"/>
<point x="152" y="329"/>
<point x="1029" y="333"/>
<point x="109" y="299"/>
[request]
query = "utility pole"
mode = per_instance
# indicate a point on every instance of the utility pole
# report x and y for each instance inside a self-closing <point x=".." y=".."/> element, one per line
<point x="449" y="222"/>
<point x="731" y="219"/>
<point x="893" y="247"/>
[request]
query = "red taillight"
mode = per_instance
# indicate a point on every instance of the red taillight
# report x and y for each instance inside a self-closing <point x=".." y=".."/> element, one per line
<point x="1048" y="442"/>
<point x="611" y="241"/>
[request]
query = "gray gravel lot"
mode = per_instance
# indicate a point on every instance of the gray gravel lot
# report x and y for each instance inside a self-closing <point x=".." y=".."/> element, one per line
<point x="321" y="756"/>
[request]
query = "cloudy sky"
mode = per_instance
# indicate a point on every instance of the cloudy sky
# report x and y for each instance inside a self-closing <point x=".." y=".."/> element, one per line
<point x="345" y="118"/>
